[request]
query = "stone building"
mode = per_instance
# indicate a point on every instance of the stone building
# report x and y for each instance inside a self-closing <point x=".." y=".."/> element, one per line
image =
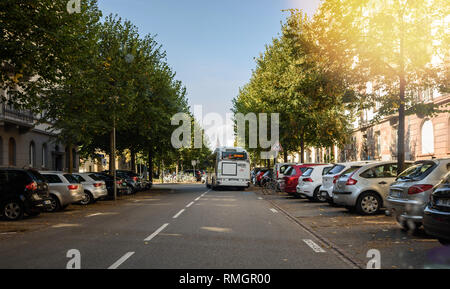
<point x="425" y="137"/>
<point x="24" y="143"/>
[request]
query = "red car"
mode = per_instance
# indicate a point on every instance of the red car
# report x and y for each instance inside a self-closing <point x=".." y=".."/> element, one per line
<point x="291" y="176"/>
<point x="259" y="176"/>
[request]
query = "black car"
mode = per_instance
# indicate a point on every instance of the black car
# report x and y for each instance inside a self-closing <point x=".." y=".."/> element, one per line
<point x="436" y="219"/>
<point x="22" y="192"/>
<point x="122" y="186"/>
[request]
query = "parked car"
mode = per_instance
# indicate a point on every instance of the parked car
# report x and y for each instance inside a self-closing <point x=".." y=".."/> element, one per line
<point x="22" y="192"/>
<point x="330" y="178"/>
<point x="122" y="187"/>
<point x="280" y="168"/>
<point x="365" y="187"/>
<point x="266" y="177"/>
<point x="436" y="219"/>
<point x="130" y="178"/>
<point x="146" y="184"/>
<point x="259" y="176"/>
<point x="291" y="176"/>
<point x="253" y="174"/>
<point x="64" y="189"/>
<point x="410" y="193"/>
<point x="310" y="182"/>
<point x="94" y="187"/>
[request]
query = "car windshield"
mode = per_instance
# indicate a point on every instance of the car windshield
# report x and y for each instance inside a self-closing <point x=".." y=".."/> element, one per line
<point x="95" y="177"/>
<point x="308" y="172"/>
<point x="79" y="178"/>
<point x="72" y="179"/>
<point x="417" y="171"/>
<point x="336" y="170"/>
<point x="350" y="171"/>
<point x="326" y="170"/>
<point x="37" y="176"/>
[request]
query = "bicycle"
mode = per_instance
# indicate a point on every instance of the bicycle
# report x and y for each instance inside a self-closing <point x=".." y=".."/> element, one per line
<point x="270" y="187"/>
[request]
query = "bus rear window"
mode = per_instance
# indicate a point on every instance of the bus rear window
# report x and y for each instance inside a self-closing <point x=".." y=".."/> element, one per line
<point x="234" y="156"/>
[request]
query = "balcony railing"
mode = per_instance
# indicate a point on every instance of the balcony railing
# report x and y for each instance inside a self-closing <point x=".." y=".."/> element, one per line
<point x="9" y="113"/>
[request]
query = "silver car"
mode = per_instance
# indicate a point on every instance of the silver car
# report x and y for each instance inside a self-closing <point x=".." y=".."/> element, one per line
<point x="365" y="187"/>
<point x="329" y="179"/>
<point x="64" y="189"/>
<point x="94" y="187"/>
<point x="410" y="193"/>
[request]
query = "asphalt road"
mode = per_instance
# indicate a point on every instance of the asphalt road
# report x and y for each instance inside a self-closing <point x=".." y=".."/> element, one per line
<point x="170" y="227"/>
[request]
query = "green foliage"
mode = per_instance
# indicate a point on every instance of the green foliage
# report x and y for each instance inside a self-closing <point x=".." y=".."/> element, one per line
<point x="292" y="78"/>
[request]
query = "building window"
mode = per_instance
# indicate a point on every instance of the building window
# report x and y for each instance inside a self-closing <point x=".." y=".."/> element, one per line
<point x="12" y="152"/>
<point x="427" y="137"/>
<point x="32" y="154"/>
<point x="44" y="155"/>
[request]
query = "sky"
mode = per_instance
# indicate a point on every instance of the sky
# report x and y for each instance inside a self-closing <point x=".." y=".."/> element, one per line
<point x="210" y="44"/>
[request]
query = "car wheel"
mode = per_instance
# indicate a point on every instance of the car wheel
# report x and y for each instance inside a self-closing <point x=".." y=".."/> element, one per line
<point x="13" y="210"/>
<point x="368" y="203"/>
<point x="87" y="198"/>
<point x="54" y="204"/>
<point x="318" y="196"/>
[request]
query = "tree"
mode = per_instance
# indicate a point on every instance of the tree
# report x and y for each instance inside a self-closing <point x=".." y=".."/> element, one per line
<point x="398" y="45"/>
<point x="293" y="78"/>
<point x="67" y="104"/>
<point x="35" y="38"/>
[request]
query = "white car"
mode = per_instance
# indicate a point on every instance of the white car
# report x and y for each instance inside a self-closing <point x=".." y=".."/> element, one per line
<point x="310" y="182"/>
<point x="330" y="178"/>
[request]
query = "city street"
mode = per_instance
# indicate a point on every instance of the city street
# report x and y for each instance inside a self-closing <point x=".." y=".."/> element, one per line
<point x="190" y="227"/>
<point x="177" y="226"/>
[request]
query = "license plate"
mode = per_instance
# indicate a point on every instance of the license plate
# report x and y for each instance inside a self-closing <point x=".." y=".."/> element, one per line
<point x="443" y="202"/>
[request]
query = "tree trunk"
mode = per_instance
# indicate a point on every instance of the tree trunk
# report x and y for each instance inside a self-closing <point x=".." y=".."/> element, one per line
<point x="401" y="128"/>
<point x="401" y="110"/>
<point x="302" y="148"/>
<point x="133" y="161"/>
<point x="112" y="161"/>
<point x="70" y="156"/>
<point x="285" y="155"/>
<point x="150" y="165"/>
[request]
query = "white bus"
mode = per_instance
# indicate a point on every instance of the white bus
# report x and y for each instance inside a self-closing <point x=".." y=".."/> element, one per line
<point x="231" y="168"/>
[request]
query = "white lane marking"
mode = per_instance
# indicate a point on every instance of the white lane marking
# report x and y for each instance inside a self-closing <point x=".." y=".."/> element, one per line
<point x="197" y="199"/>
<point x="149" y="238"/>
<point x="190" y="204"/>
<point x="101" y="214"/>
<point x="121" y="260"/>
<point x="178" y="214"/>
<point x="273" y="210"/>
<point x="316" y="248"/>
<point x="260" y="198"/>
